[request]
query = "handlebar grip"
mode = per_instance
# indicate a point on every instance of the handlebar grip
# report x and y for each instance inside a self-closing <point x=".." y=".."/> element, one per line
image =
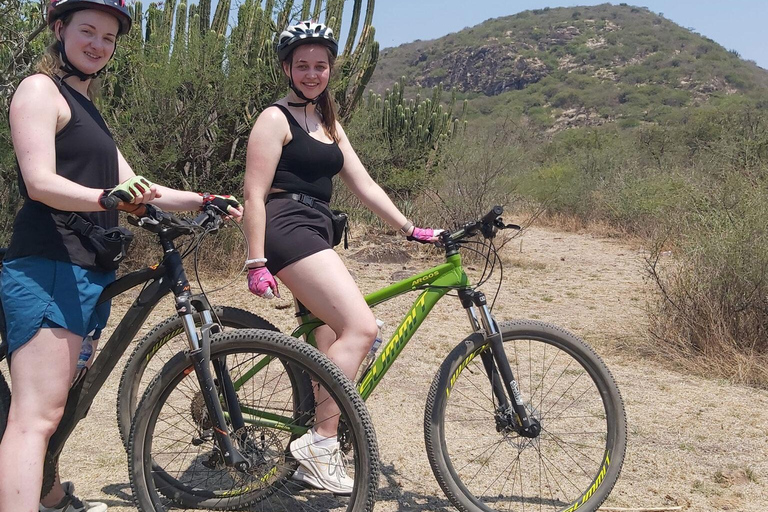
<point x="492" y="215"/>
<point x="121" y="195"/>
<point x="109" y="202"/>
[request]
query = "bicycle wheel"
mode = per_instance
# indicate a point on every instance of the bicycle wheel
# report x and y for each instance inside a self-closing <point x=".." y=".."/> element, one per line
<point x="482" y="465"/>
<point x="175" y="462"/>
<point x="160" y="344"/>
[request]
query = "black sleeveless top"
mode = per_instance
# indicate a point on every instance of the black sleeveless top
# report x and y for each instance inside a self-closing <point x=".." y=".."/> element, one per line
<point x="307" y="165"/>
<point x="85" y="154"/>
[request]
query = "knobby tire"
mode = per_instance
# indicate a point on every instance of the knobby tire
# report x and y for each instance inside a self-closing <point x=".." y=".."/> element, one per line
<point x="575" y="461"/>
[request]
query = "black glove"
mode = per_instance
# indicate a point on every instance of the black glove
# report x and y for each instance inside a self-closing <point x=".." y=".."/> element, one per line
<point x="222" y="202"/>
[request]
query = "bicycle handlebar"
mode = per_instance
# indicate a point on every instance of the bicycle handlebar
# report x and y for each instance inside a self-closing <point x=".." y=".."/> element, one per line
<point x="488" y="225"/>
<point x="155" y="220"/>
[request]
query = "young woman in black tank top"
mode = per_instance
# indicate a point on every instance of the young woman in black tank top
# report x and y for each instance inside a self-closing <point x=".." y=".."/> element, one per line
<point x="297" y="146"/>
<point x="50" y="281"/>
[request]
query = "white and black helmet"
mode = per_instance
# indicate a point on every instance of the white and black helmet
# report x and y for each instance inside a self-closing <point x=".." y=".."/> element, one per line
<point x="305" y="32"/>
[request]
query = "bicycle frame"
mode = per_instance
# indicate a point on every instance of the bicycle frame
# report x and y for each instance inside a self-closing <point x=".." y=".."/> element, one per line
<point x="437" y="281"/>
<point x="162" y="279"/>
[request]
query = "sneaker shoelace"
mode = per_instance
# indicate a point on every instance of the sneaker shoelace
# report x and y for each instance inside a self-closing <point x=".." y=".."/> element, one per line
<point x="338" y="463"/>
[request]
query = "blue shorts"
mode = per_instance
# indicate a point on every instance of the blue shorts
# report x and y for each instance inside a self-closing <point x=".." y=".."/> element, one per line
<point x="38" y="292"/>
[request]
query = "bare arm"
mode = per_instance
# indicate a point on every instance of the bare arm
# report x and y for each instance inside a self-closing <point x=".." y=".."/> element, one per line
<point x="37" y="110"/>
<point x="362" y="185"/>
<point x="169" y="199"/>
<point x="265" y="145"/>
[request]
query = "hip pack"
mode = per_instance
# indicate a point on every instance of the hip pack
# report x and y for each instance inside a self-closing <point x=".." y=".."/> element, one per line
<point x="110" y="245"/>
<point x="338" y="218"/>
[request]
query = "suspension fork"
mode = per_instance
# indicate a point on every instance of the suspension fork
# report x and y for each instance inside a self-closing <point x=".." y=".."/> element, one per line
<point x="200" y="353"/>
<point x="496" y="364"/>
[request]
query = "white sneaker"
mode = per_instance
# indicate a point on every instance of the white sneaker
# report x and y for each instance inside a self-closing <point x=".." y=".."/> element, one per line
<point x="71" y="503"/>
<point x="323" y="468"/>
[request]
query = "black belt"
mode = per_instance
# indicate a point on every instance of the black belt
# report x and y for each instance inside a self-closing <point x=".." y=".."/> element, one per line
<point x="304" y="199"/>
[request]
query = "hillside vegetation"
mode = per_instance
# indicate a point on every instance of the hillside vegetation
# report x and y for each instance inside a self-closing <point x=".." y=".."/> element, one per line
<point x="610" y="113"/>
<point x="615" y="114"/>
<point x="576" y="66"/>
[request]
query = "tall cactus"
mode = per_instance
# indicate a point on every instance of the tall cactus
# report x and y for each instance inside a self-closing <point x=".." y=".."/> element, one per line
<point x="416" y="121"/>
<point x="196" y="86"/>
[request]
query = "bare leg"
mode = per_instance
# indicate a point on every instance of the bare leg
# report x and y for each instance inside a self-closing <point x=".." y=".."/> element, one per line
<point x="56" y="494"/>
<point x="323" y="284"/>
<point x="41" y="374"/>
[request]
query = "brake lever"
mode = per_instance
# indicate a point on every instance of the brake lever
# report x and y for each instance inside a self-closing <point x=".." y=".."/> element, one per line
<point x="499" y="223"/>
<point x="153" y="216"/>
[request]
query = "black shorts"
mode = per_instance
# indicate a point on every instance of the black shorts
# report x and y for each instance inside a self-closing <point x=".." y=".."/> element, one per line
<point x="294" y="231"/>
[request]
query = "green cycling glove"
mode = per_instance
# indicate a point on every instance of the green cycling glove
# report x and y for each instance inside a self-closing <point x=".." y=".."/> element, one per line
<point x="126" y="192"/>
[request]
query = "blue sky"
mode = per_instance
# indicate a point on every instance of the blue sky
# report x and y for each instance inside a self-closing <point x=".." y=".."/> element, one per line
<point x="739" y="25"/>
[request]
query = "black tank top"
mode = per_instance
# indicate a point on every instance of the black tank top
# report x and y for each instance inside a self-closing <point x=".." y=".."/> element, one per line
<point x="307" y="165"/>
<point x="85" y="154"/>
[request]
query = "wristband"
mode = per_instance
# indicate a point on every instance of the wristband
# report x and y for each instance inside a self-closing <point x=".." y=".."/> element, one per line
<point x="407" y="226"/>
<point x="255" y="260"/>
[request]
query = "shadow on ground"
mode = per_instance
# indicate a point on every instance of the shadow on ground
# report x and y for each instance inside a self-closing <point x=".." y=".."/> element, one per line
<point x="391" y="495"/>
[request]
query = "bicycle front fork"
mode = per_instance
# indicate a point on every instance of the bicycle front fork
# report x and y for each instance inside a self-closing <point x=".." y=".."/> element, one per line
<point x="509" y="414"/>
<point x="200" y="352"/>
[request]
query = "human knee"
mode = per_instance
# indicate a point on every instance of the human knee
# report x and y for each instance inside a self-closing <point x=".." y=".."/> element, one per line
<point x="36" y="423"/>
<point x="364" y="332"/>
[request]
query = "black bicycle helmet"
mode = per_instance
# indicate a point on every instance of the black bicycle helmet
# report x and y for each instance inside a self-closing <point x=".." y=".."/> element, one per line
<point x="305" y="32"/>
<point x="59" y="8"/>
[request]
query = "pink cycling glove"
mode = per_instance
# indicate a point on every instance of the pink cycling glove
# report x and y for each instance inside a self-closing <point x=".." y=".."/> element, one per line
<point x="262" y="283"/>
<point x="425" y="235"/>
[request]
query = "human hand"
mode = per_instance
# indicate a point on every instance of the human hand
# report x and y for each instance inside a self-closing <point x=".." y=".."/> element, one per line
<point x="425" y="235"/>
<point x="134" y="190"/>
<point x="225" y="203"/>
<point x="261" y="282"/>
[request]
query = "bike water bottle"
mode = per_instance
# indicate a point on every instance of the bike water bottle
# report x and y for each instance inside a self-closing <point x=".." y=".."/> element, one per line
<point x="86" y="351"/>
<point x="366" y="364"/>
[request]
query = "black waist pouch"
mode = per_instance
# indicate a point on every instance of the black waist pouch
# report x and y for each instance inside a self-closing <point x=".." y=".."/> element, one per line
<point x="340" y="227"/>
<point x="110" y="245"/>
<point x="338" y="218"/>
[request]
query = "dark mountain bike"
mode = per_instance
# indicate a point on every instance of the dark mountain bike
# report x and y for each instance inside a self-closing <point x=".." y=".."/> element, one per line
<point x="218" y="461"/>
<point x="521" y="415"/>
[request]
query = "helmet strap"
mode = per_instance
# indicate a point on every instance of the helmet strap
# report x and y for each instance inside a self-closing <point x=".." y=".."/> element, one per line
<point x="301" y="95"/>
<point x="71" y="70"/>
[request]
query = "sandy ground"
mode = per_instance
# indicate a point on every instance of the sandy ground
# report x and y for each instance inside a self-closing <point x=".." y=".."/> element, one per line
<point x="697" y="443"/>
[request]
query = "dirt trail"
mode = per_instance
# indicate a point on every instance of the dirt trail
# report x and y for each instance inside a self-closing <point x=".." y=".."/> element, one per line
<point x="699" y="443"/>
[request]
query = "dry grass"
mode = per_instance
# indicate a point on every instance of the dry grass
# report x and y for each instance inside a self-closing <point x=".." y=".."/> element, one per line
<point x="694" y="442"/>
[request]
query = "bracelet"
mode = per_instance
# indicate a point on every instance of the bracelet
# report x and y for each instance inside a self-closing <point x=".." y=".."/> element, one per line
<point x="256" y="260"/>
<point x="408" y="225"/>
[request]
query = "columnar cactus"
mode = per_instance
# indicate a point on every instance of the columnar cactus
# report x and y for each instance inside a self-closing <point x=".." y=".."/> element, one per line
<point x="190" y="88"/>
<point x="413" y="120"/>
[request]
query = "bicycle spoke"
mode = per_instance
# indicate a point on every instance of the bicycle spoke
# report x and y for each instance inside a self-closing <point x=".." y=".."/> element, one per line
<point x="494" y="463"/>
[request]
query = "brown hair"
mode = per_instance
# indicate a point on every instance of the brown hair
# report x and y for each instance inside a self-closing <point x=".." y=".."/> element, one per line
<point x="326" y="107"/>
<point x="50" y="63"/>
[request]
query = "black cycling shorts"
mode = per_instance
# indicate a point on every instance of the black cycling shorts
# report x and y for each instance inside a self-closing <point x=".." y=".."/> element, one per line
<point x="294" y="231"/>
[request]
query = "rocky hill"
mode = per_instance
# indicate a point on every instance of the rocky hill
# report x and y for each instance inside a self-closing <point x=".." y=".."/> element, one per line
<point x="583" y="64"/>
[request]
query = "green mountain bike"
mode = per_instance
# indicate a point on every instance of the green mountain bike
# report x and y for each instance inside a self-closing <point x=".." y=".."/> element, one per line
<point x="521" y="415"/>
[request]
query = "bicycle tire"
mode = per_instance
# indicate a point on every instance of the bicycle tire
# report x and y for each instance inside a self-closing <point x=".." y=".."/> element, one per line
<point x="484" y="467"/>
<point x="162" y="420"/>
<point x="158" y="346"/>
